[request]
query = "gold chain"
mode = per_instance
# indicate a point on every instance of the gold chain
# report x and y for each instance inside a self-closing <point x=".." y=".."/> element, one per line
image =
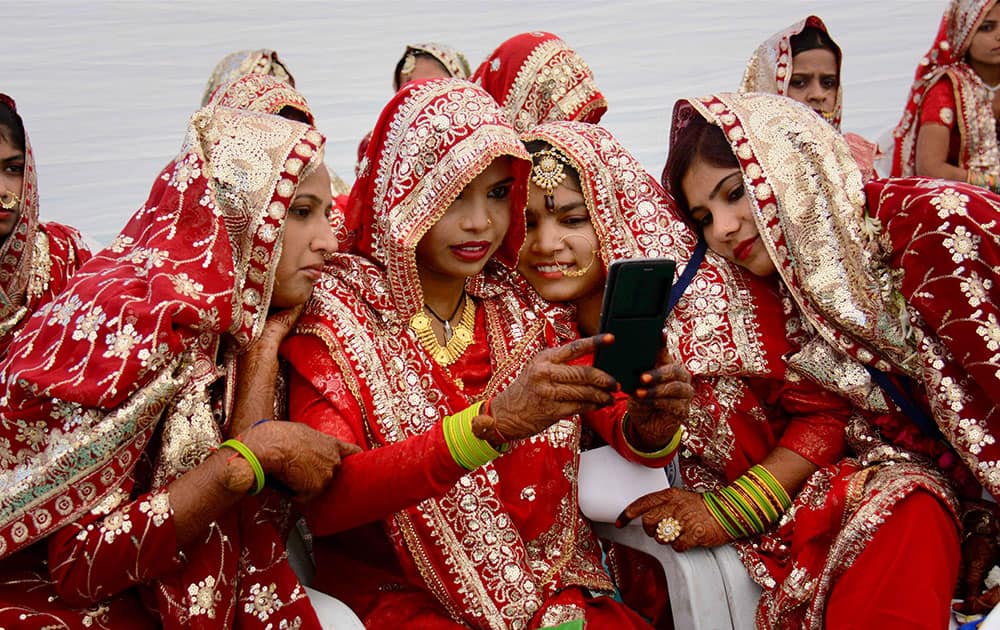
<point x="460" y="339"/>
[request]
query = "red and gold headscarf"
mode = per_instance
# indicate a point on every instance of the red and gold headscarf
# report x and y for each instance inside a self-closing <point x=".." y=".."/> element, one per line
<point x="37" y="259"/>
<point x="538" y="78"/>
<point x="833" y="254"/>
<point x="975" y="119"/>
<point x="134" y="341"/>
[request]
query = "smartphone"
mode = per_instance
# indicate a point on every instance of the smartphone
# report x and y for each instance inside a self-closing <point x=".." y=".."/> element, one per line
<point x="635" y="304"/>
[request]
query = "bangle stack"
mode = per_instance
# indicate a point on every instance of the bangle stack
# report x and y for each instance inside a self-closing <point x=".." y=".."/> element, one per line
<point x="466" y="446"/>
<point x="750" y="505"/>
<point x="258" y="470"/>
<point x="989" y="181"/>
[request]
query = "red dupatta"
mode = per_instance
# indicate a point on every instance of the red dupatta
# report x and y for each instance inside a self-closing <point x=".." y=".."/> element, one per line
<point x="729" y="325"/>
<point x="837" y="266"/>
<point x="538" y="78"/>
<point x="135" y="342"/>
<point x="37" y="259"/>
<point x="974" y="116"/>
<point x="487" y="566"/>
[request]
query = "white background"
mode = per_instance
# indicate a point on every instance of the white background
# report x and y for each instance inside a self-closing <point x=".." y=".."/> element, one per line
<point x="105" y="88"/>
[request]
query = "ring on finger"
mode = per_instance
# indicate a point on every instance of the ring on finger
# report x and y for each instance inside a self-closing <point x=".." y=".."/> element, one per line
<point x="668" y="530"/>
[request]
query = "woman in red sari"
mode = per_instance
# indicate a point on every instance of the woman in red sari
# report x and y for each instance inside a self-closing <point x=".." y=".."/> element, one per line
<point x="398" y="352"/>
<point x="868" y="282"/>
<point x="948" y="129"/>
<point x="120" y="506"/>
<point x="36" y="259"/>
<point x="803" y="63"/>
<point x="537" y="77"/>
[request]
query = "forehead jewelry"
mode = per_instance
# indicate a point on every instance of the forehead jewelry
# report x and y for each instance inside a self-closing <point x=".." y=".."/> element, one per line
<point x="547" y="172"/>
<point x="9" y="201"/>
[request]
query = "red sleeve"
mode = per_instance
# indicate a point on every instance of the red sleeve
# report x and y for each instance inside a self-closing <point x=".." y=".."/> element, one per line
<point x="102" y="553"/>
<point x="938" y="105"/>
<point x="376" y="482"/>
<point x="816" y="422"/>
<point x="607" y="422"/>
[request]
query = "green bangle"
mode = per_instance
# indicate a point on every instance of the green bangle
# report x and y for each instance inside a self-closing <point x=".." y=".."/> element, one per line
<point x="772" y="484"/>
<point x="258" y="470"/>
<point x="663" y="452"/>
<point x="468" y="451"/>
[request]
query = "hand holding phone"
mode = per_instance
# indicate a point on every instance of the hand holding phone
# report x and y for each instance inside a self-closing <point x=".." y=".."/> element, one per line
<point x="635" y="304"/>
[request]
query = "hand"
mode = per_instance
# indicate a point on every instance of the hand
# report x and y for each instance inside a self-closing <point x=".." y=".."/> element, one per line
<point x="548" y="390"/>
<point x="298" y="456"/>
<point x="277" y="327"/>
<point x="698" y="527"/>
<point x="979" y="604"/>
<point x="660" y="405"/>
<point x="257" y="371"/>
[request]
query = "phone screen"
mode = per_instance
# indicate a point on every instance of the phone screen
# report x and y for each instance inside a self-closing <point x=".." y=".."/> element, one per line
<point x="635" y="304"/>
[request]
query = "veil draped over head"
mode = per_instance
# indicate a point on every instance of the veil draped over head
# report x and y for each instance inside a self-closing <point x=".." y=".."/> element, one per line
<point x="834" y="245"/>
<point x="538" y="78"/>
<point x="133" y="343"/>
<point x="974" y="116"/>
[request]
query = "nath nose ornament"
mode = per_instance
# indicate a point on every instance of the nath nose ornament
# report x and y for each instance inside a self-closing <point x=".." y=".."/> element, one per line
<point x="9" y="201"/>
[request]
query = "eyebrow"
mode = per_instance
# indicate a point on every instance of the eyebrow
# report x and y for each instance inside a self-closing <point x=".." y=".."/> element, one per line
<point x="14" y="157"/>
<point x="509" y="180"/>
<point x="718" y="186"/>
<point x="573" y="205"/>
<point x="313" y="198"/>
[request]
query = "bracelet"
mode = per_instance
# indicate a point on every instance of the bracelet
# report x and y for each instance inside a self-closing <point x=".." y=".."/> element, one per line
<point x="750" y="505"/>
<point x="261" y="421"/>
<point x="468" y="450"/>
<point x="988" y="181"/>
<point x="663" y="452"/>
<point x="258" y="470"/>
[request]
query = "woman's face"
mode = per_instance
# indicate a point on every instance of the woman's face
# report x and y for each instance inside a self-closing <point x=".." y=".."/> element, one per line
<point x="985" y="45"/>
<point x="11" y="183"/>
<point x="815" y="80"/>
<point x="721" y="208"/>
<point x="307" y="241"/>
<point x="472" y="229"/>
<point x="560" y="241"/>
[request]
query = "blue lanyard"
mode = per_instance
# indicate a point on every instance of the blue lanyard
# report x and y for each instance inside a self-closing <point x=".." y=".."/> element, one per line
<point x="685" y="278"/>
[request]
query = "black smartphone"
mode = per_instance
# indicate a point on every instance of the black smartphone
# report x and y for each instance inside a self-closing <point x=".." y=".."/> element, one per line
<point x="635" y="304"/>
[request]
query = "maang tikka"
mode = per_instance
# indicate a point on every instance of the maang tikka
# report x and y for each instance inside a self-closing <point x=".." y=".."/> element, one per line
<point x="547" y="172"/>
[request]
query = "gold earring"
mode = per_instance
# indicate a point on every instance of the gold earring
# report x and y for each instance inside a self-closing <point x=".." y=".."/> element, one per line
<point x="547" y="172"/>
<point x="9" y="201"/>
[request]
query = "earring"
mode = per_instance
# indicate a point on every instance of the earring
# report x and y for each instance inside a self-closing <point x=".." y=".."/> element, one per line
<point x="547" y="172"/>
<point x="9" y="201"/>
<point x="489" y="221"/>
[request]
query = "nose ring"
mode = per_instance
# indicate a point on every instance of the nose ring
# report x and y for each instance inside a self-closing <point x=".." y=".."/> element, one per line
<point x="9" y="201"/>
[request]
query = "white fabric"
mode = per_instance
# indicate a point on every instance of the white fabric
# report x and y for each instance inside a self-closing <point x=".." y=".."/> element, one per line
<point x="333" y="614"/>
<point x="608" y="483"/>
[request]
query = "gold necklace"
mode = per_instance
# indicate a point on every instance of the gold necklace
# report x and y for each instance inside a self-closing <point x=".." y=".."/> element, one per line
<point x="460" y="340"/>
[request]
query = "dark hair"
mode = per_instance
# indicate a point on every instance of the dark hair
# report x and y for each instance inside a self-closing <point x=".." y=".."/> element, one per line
<point x="294" y="113"/>
<point x="698" y="140"/>
<point x="811" y="38"/>
<point x="11" y="126"/>
<point x="413" y="53"/>
<point x="536" y="146"/>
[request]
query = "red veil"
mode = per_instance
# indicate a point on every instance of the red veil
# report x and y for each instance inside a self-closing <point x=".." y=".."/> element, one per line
<point x="37" y="259"/>
<point x="243" y="62"/>
<point x="974" y="116"/>
<point x="124" y="365"/>
<point x="508" y="535"/>
<point x="538" y="78"/>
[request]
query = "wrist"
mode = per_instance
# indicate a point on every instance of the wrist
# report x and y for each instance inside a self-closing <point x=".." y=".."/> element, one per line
<point x="236" y="474"/>
<point x="650" y="437"/>
<point x="242" y="451"/>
